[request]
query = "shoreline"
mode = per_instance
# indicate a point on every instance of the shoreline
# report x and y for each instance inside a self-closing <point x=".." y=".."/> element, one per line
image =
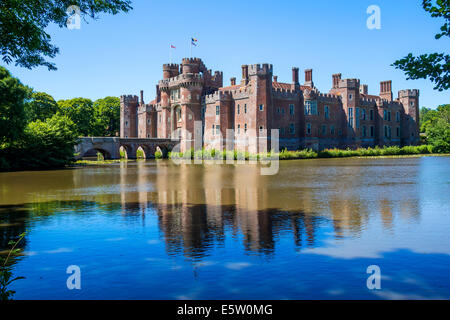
<point x="85" y="163"/>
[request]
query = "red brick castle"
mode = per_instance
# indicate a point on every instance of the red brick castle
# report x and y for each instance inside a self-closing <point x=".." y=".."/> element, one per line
<point x="346" y="116"/>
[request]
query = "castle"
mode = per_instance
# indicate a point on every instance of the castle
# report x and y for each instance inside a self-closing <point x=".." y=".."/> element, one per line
<point x="242" y="113"/>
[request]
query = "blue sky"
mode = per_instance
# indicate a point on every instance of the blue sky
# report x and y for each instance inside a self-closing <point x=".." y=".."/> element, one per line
<point x="123" y="54"/>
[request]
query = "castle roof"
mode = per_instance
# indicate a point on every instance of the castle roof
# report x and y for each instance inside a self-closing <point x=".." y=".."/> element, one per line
<point x="281" y="85"/>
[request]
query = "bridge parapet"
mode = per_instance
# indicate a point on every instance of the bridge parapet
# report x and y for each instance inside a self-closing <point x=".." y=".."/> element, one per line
<point x="110" y="146"/>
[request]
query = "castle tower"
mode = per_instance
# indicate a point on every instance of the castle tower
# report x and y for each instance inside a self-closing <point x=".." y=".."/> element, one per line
<point x="349" y="89"/>
<point x="128" y="116"/>
<point x="170" y="70"/>
<point x="260" y="77"/>
<point x="410" y="121"/>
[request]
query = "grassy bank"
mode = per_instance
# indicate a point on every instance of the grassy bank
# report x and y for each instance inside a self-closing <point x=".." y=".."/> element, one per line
<point x="213" y="154"/>
<point x="306" y="154"/>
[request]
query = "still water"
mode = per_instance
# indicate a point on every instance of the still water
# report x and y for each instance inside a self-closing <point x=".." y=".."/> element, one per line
<point x="156" y="230"/>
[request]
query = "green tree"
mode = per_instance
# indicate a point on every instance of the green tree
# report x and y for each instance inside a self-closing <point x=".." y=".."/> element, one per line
<point x="433" y="66"/>
<point x="437" y="129"/>
<point x="13" y="96"/>
<point x="81" y="112"/>
<point x="107" y="116"/>
<point x="23" y="22"/>
<point x="41" y="106"/>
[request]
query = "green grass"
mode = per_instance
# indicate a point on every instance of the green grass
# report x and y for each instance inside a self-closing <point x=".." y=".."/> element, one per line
<point x="213" y="154"/>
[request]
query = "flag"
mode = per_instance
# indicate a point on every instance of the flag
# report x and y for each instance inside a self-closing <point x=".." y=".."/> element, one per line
<point x="172" y="46"/>
<point x="193" y="41"/>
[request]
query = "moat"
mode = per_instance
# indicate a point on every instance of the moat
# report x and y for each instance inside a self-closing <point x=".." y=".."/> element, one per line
<point x="156" y="230"/>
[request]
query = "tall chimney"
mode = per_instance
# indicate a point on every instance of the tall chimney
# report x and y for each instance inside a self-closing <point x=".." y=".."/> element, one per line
<point x="308" y="78"/>
<point x="295" y="75"/>
<point x="336" y="79"/>
<point x="142" y="97"/>
<point x="233" y="81"/>
<point x="275" y="78"/>
<point x="244" y="74"/>
<point x="386" y="90"/>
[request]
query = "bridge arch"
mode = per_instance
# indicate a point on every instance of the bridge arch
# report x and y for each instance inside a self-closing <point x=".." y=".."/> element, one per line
<point x="92" y="152"/>
<point x="126" y="151"/>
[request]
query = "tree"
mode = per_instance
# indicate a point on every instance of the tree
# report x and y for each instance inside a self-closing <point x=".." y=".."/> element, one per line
<point x="23" y="22"/>
<point x="107" y="116"/>
<point x="436" y="126"/>
<point x="50" y="143"/>
<point x="13" y="96"/>
<point x="81" y="112"/>
<point x="42" y="106"/>
<point x="435" y="66"/>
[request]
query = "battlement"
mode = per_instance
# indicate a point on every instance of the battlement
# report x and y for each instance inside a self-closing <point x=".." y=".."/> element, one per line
<point x="368" y="100"/>
<point x="171" y="66"/>
<point x="193" y="78"/>
<point x="409" y="93"/>
<point x="129" y="99"/>
<point x="191" y="61"/>
<point x="349" y="83"/>
<point x="260" y="69"/>
<point x="328" y="97"/>
<point x="217" y="96"/>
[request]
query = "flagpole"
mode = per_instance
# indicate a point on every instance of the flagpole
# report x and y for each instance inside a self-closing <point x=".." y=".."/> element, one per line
<point x="170" y="54"/>
<point x="191" y="49"/>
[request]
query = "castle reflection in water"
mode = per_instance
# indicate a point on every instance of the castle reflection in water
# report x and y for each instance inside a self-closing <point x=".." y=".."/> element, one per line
<point x="199" y="206"/>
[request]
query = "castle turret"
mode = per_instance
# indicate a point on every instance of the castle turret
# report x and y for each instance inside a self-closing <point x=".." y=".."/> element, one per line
<point x="191" y="65"/>
<point x="170" y="70"/>
<point x="128" y="116"/>
<point x="410" y="122"/>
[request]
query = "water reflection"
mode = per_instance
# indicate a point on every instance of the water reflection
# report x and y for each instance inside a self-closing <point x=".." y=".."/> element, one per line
<point x="324" y="213"/>
<point x="197" y="205"/>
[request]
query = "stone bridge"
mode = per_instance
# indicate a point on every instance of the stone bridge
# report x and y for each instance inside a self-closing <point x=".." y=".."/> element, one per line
<point x="110" y="146"/>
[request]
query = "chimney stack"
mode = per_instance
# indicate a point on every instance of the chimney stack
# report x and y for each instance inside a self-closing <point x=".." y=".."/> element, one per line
<point x="364" y="89"/>
<point x="275" y="78"/>
<point x="386" y="90"/>
<point x="233" y="81"/>
<point x="142" y="97"/>
<point x="336" y="80"/>
<point x="295" y="76"/>
<point x="245" y="74"/>
<point x="308" y="78"/>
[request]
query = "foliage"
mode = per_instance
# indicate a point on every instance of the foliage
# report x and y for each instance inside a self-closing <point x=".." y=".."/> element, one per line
<point x="158" y="155"/>
<point x="81" y="112"/>
<point x="6" y="278"/>
<point x="140" y="154"/>
<point x="41" y="107"/>
<point x="23" y="38"/>
<point x="435" y="66"/>
<point x="106" y="117"/>
<point x="13" y="96"/>
<point x="44" y="144"/>
<point x="437" y="128"/>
